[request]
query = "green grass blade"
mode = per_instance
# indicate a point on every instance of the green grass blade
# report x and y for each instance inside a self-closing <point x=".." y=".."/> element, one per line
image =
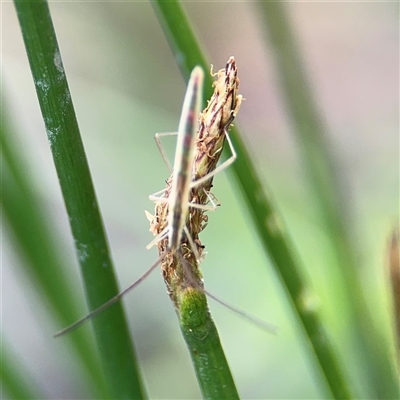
<point x="115" y="347"/>
<point x="16" y="382"/>
<point x="375" y="361"/>
<point x="35" y="241"/>
<point x="267" y="221"/>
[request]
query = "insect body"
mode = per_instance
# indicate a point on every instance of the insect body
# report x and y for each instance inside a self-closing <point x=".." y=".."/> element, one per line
<point x="177" y="202"/>
<point x="178" y="243"/>
<point x="179" y="216"/>
<point x="180" y="185"/>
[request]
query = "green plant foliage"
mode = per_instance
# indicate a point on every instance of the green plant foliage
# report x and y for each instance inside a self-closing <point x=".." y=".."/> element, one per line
<point x="290" y="250"/>
<point x="114" y="344"/>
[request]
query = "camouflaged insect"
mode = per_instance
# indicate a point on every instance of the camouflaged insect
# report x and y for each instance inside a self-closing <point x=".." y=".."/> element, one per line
<point x="213" y="124"/>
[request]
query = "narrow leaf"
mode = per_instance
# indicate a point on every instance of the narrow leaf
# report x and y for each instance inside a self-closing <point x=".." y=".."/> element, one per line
<point x="115" y="347"/>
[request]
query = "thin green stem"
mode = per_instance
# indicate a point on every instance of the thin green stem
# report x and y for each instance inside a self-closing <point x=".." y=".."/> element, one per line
<point x="211" y="367"/>
<point x="115" y="347"/>
<point x="201" y="336"/>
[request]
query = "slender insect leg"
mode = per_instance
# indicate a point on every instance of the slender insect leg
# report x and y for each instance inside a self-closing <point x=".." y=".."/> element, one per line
<point x="161" y="148"/>
<point x="159" y="199"/>
<point x="192" y="244"/>
<point x="158" y="238"/>
<point x="221" y="167"/>
<point x="211" y="197"/>
<point x="110" y="302"/>
<point x="164" y="232"/>
<point x="205" y="207"/>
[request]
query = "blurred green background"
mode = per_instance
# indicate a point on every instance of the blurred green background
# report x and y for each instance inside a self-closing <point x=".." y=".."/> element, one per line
<point x="125" y="87"/>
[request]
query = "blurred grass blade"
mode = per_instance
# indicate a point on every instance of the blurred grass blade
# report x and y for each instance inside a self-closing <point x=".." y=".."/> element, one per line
<point x="16" y="382"/>
<point x="394" y="278"/>
<point x="35" y="242"/>
<point x="111" y="331"/>
<point x="268" y="224"/>
<point x="375" y="361"/>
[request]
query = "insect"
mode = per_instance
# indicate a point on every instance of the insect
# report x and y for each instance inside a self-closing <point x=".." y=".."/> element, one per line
<point x="181" y="185"/>
<point x="188" y="174"/>
<point x="179" y="245"/>
<point x="181" y="180"/>
<point x="199" y="144"/>
<point x="177" y="235"/>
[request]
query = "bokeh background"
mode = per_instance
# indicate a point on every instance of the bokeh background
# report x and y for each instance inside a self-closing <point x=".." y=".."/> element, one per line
<point x="125" y="87"/>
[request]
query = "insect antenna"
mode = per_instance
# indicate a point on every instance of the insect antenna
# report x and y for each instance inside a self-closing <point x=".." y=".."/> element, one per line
<point x="191" y="281"/>
<point x="110" y="302"/>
